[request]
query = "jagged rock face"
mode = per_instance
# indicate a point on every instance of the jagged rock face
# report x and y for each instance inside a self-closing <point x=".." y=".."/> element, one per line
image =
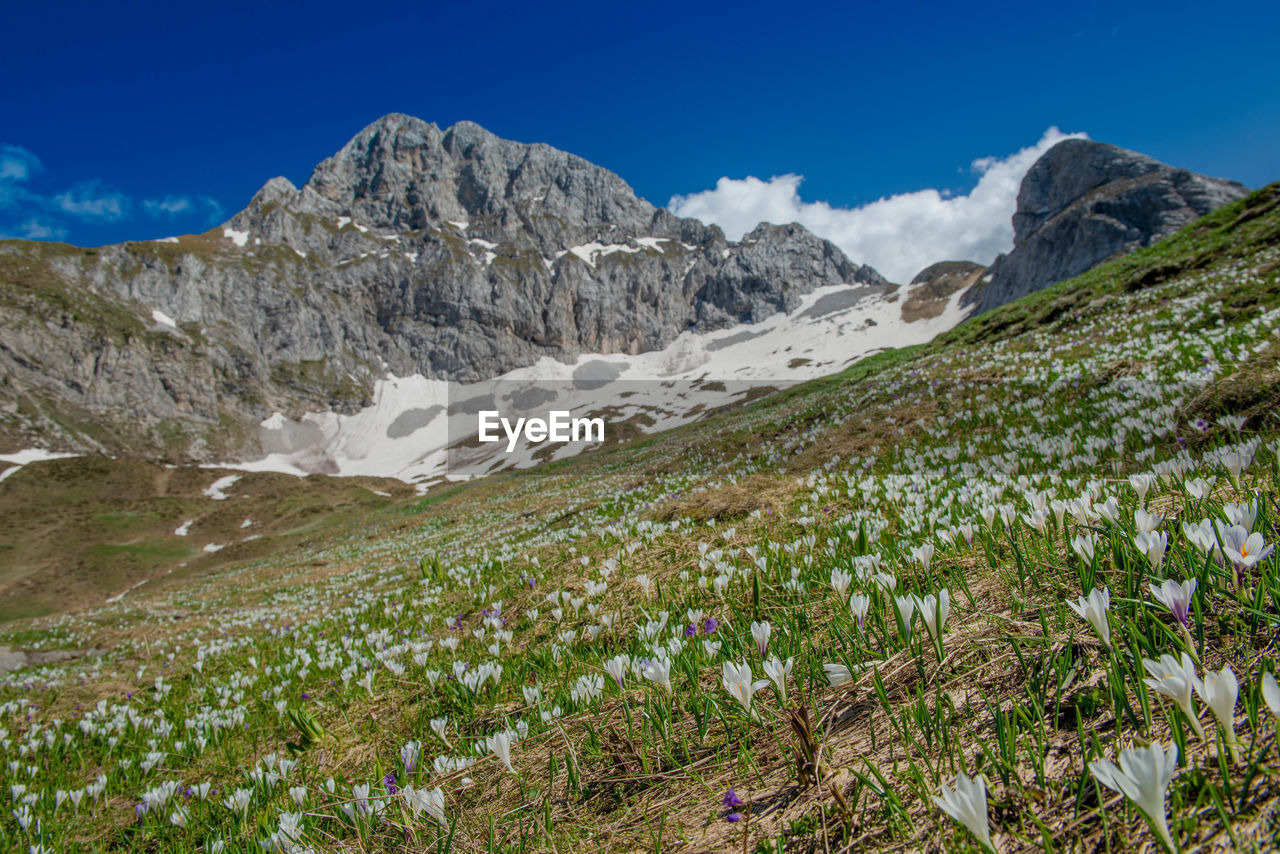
<point x="450" y="253"/>
<point x="1084" y="202"/>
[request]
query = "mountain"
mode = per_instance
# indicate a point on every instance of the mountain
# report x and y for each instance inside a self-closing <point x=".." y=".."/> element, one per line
<point x="414" y="251"/>
<point x="1085" y="202"/>
<point x="933" y="287"/>
<point x="320" y="328"/>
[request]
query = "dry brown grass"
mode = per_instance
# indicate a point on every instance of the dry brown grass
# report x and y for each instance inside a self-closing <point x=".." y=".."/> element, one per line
<point x="728" y="503"/>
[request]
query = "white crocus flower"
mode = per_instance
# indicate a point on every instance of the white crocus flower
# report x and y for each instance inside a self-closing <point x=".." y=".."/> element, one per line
<point x="838" y="674"/>
<point x="1083" y="546"/>
<point x="1108" y="510"/>
<point x="500" y="745"/>
<point x="1243" y="515"/>
<point x="1038" y="520"/>
<point x="840" y="580"/>
<point x="1093" y="608"/>
<point x="238" y="801"/>
<point x="1145" y="522"/>
<point x="1235" y="462"/>
<point x="438" y="726"/>
<point x="858" y="605"/>
<point x="885" y="581"/>
<point x="1175" y="679"/>
<point x="1081" y="510"/>
<point x="1249" y="552"/>
<point x="658" y="672"/>
<point x="737" y="681"/>
<point x="760" y="632"/>
<point x="617" y="667"/>
<point x="429" y="800"/>
<point x="1271" y="693"/>
<point x="906" y="606"/>
<point x="1143" y="777"/>
<point x="1219" y="691"/>
<point x="1199" y="488"/>
<point x="1142" y="484"/>
<point x="1153" y="546"/>
<point x="778" y="671"/>
<point x="1176" y="597"/>
<point x="1059" y="508"/>
<point x="1200" y="535"/>
<point x="934" y="611"/>
<point x="967" y="804"/>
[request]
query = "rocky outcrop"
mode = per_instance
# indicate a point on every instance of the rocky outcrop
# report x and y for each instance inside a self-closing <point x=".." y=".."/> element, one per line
<point x="930" y="292"/>
<point x="1084" y="202"/>
<point x="18" y="659"/>
<point x="414" y="250"/>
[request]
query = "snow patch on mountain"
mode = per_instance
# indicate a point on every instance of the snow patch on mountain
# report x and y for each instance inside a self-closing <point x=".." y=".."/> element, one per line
<point x="405" y="432"/>
<point x="217" y="489"/>
<point x="239" y="238"/>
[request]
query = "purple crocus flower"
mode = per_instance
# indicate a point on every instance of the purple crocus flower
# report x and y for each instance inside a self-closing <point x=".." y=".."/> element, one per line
<point x="1176" y="597"/>
<point x="390" y="782"/>
<point x="710" y="625"/>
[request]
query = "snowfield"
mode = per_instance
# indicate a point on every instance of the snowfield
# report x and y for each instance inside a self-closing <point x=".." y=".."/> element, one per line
<point x="406" y="433"/>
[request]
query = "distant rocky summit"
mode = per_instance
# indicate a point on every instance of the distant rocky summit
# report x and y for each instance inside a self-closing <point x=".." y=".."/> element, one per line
<point x="929" y="293"/>
<point x="1084" y="202"/>
<point x="452" y="254"/>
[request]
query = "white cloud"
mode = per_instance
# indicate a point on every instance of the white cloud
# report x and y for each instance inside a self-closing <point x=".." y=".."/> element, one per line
<point x="899" y="235"/>
<point x="172" y="207"/>
<point x="169" y="206"/>
<point x="90" y="200"/>
<point x="33" y="229"/>
<point x="17" y="164"/>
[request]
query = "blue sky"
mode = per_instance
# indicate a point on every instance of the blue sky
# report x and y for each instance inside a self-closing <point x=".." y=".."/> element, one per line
<point x="128" y="120"/>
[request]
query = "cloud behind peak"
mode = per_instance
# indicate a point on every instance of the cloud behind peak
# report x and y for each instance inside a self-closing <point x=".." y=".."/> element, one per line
<point x="898" y="235"/>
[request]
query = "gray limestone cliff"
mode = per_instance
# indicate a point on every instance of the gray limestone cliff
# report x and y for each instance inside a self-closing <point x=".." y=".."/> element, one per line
<point x="449" y="253"/>
<point x="1084" y="202"/>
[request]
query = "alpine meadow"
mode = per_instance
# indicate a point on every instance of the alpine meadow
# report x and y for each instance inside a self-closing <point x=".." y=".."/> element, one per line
<point x="908" y="482"/>
<point x="1013" y="589"/>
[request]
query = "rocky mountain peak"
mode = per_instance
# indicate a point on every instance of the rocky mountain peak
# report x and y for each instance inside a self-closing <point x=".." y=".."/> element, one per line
<point x="1084" y="202"/>
<point x="1068" y="171"/>
<point x="449" y="254"/>
<point x="277" y="191"/>
<point x="403" y="174"/>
